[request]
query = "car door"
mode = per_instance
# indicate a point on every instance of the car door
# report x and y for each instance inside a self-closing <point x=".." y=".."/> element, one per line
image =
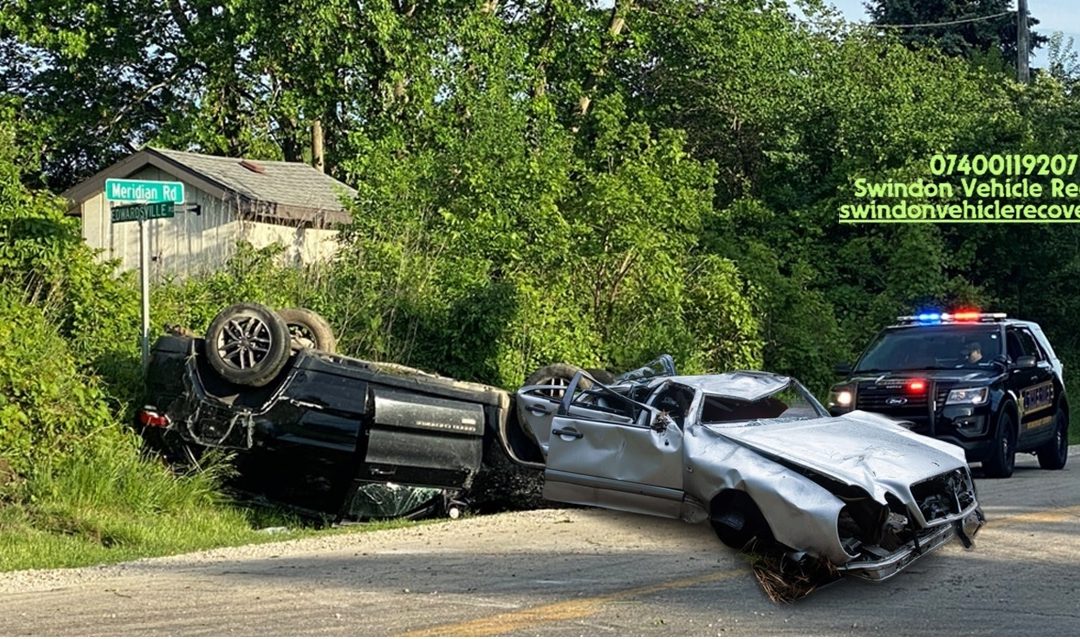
<point x="615" y="453"/>
<point x="536" y="407"/>
<point x="1033" y="387"/>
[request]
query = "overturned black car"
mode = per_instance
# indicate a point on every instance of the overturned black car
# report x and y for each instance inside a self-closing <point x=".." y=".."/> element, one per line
<point x="317" y="429"/>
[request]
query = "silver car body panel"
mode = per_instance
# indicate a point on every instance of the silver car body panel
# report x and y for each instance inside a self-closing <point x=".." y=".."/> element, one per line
<point x="597" y="458"/>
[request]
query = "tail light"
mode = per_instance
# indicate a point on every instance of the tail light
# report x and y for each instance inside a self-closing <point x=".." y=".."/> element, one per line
<point x="150" y="417"/>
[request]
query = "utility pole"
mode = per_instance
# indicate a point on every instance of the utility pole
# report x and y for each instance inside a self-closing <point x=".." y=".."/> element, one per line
<point x="1023" y="50"/>
<point x="318" y="158"/>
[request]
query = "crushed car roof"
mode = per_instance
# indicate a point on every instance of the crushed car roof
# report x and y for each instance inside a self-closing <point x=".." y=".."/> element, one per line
<point x="745" y="385"/>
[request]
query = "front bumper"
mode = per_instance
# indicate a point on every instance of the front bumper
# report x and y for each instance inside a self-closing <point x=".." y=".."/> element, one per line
<point x="880" y="569"/>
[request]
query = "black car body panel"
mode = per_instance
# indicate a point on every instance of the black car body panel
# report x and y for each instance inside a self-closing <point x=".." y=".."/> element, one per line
<point x="336" y="421"/>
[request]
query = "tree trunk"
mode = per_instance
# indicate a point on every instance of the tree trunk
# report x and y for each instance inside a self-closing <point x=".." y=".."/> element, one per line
<point x="615" y="27"/>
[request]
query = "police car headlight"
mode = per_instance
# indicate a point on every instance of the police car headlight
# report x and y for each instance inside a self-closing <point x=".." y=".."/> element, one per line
<point x="841" y="398"/>
<point x="968" y="395"/>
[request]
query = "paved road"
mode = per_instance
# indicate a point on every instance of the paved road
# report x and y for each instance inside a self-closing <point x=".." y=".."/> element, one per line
<point x="572" y="572"/>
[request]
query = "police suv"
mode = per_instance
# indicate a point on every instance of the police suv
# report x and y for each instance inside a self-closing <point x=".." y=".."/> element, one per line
<point x="989" y="384"/>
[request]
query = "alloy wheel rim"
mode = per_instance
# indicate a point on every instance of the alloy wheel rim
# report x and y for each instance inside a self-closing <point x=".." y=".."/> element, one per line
<point x="555" y="393"/>
<point x="244" y="342"/>
<point x="301" y="336"/>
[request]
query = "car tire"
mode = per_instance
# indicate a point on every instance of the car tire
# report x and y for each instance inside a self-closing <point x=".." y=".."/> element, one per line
<point x="556" y="375"/>
<point x="1002" y="458"/>
<point x="737" y="520"/>
<point x="601" y="375"/>
<point x="308" y="329"/>
<point x="1054" y="453"/>
<point x="247" y="344"/>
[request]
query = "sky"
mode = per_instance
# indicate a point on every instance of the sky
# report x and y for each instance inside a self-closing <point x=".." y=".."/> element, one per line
<point x="1053" y="15"/>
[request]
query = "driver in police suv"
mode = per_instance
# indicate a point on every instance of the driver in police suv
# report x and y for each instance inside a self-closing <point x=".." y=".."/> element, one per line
<point x="971" y="353"/>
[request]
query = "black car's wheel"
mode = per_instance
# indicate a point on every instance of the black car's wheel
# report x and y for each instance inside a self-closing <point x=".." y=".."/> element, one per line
<point x="1054" y="453"/>
<point x="555" y="375"/>
<point x="308" y="329"/>
<point x="604" y="377"/>
<point x="1002" y="458"/>
<point x="247" y="344"/>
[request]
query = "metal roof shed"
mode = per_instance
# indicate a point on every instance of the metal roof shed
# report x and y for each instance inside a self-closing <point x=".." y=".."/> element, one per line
<point x="261" y="202"/>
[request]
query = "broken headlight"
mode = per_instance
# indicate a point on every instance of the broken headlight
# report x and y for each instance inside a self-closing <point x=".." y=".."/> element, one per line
<point x="968" y="395"/>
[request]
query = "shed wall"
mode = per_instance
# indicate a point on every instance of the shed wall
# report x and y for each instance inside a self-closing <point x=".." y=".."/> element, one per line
<point x="190" y="244"/>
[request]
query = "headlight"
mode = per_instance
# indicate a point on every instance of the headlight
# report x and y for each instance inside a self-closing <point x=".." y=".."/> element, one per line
<point x="968" y="395"/>
<point x="841" y="398"/>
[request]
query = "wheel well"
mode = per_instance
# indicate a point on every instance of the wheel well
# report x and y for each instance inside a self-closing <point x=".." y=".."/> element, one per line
<point x="1011" y="407"/>
<point x="733" y="500"/>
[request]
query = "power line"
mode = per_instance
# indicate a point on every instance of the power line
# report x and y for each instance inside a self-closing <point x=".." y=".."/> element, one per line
<point x="933" y="24"/>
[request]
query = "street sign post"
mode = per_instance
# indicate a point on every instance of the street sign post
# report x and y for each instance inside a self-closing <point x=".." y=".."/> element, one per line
<point x="144" y="191"/>
<point x="145" y="200"/>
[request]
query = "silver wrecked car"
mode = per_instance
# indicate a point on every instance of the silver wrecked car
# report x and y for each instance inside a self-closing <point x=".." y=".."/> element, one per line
<point x="759" y="457"/>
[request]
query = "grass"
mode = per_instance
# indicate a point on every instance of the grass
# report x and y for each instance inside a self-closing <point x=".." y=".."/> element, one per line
<point x="96" y="536"/>
<point x="111" y="506"/>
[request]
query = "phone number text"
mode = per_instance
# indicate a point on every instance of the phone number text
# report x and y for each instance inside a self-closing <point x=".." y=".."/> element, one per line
<point x="1003" y="164"/>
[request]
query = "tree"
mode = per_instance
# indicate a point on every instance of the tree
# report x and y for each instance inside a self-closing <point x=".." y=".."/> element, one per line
<point x="993" y="34"/>
<point x="97" y="80"/>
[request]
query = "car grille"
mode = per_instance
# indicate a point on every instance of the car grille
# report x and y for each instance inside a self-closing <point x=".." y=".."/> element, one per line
<point x="884" y="398"/>
<point x="944" y="495"/>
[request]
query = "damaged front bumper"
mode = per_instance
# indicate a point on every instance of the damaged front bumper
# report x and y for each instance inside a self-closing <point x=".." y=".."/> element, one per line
<point x="887" y="564"/>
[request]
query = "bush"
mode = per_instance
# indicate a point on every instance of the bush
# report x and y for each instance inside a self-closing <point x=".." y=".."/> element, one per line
<point x="47" y="406"/>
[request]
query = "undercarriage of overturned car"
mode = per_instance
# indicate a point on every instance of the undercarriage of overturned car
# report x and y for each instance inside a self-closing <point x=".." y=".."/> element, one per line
<point x="753" y="453"/>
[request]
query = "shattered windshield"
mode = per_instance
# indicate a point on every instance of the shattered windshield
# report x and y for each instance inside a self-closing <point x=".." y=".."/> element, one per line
<point x="932" y="347"/>
<point x="792" y="402"/>
<point x="661" y="366"/>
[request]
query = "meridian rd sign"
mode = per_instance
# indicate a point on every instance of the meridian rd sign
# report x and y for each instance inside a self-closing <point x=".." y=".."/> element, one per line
<point x="140" y="212"/>
<point x="144" y="191"/>
<point x="151" y="199"/>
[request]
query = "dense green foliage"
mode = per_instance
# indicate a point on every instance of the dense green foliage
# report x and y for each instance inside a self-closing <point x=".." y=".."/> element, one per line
<point x="75" y="487"/>
<point x="549" y="180"/>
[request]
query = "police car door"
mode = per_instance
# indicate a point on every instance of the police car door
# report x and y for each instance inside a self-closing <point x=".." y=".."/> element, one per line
<point x="1033" y="386"/>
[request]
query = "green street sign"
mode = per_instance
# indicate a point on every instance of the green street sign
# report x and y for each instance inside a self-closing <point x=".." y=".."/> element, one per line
<point x="137" y="212"/>
<point x="144" y="191"/>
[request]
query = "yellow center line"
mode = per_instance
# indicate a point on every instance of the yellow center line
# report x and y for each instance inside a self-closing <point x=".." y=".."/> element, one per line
<point x="508" y="622"/>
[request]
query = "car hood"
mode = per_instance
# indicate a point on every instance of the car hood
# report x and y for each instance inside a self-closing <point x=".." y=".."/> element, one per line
<point x="858" y="448"/>
<point x="958" y="376"/>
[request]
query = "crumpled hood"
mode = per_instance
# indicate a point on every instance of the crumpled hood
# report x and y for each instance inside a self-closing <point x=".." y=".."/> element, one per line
<point x="891" y="458"/>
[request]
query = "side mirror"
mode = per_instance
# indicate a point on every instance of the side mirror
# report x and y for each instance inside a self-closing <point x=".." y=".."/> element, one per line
<point x="1027" y="361"/>
<point x="661" y="421"/>
<point x="842" y="369"/>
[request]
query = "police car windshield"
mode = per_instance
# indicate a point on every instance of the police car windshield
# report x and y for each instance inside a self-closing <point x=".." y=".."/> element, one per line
<point x="933" y="347"/>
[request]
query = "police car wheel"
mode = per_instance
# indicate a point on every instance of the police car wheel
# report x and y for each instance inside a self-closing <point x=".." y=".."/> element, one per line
<point x="1002" y="458"/>
<point x="1054" y="453"/>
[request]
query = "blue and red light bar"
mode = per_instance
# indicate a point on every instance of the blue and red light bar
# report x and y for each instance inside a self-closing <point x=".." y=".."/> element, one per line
<point x="956" y="316"/>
